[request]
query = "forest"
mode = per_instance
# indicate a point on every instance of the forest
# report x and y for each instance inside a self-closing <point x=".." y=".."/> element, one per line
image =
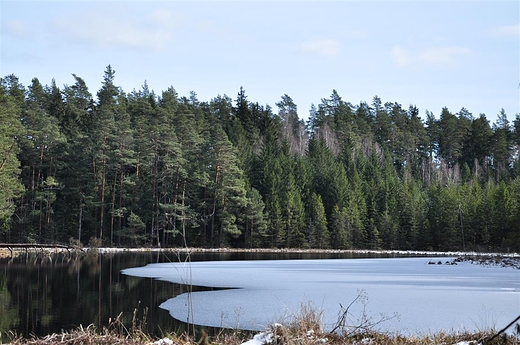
<point x="142" y="169"/>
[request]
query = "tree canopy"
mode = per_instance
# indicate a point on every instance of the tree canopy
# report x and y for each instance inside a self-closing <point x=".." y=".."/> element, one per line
<point x="147" y="169"/>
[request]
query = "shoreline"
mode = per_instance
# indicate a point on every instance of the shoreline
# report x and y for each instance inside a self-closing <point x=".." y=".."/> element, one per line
<point x="7" y="251"/>
<point x="106" y="250"/>
<point x="303" y="329"/>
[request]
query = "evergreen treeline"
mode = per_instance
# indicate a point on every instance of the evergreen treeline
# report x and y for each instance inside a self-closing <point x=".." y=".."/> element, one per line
<point x="144" y="169"/>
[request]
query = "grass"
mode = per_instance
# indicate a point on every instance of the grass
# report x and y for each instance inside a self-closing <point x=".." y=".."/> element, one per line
<point x="282" y="335"/>
<point x="305" y="328"/>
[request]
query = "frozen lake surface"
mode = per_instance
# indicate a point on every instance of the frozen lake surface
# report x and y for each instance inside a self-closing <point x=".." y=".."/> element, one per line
<point x="426" y="298"/>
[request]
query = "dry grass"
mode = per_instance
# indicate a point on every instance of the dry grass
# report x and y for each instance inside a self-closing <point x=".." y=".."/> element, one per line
<point x="92" y="336"/>
<point x="281" y="335"/>
<point x="304" y="328"/>
<point x="288" y="337"/>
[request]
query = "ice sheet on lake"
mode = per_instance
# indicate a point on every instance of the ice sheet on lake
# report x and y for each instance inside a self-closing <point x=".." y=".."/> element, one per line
<point x="427" y="298"/>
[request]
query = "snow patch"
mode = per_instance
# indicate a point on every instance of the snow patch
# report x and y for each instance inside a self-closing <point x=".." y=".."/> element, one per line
<point x="260" y="339"/>
<point x="163" y="341"/>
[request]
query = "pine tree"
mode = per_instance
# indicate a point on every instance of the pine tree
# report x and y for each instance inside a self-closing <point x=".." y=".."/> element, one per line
<point x="10" y="131"/>
<point x="74" y="209"/>
<point x="293" y="129"/>
<point x="501" y="146"/>
<point x="477" y="146"/>
<point x="452" y="133"/>
<point x="196" y="195"/>
<point x="103" y="143"/>
<point x="42" y="149"/>
<point x="229" y="193"/>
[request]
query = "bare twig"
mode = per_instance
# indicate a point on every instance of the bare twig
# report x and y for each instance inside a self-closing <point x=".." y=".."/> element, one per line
<point x="502" y="330"/>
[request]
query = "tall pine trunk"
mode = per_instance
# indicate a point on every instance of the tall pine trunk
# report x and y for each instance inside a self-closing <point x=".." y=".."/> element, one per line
<point x="103" y="190"/>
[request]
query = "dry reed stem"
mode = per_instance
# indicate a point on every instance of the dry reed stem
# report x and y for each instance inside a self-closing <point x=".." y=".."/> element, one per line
<point x="282" y="335"/>
<point x="306" y="328"/>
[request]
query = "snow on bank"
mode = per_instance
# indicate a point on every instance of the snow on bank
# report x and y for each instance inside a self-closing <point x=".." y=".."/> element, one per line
<point x="260" y="339"/>
<point x="268" y="337"/>
<point x="163" y="341"/>
<point x="107" y="250"/>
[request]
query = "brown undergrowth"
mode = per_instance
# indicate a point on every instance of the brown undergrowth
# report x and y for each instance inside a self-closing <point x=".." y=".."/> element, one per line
<point x="305" y="328"/>
<point x="282" y="336"/>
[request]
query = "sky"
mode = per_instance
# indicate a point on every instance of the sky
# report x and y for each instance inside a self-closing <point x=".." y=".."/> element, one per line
<point x="431" y="54"/>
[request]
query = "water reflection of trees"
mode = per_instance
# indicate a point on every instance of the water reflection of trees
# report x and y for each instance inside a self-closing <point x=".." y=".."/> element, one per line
<point x="42" y="295"/>
<point x="9" y="316"/>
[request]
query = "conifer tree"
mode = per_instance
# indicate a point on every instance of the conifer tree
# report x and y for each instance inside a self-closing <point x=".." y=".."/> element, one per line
<point x="42" y="149"/>
<point x="255" y="225"/>
<point x="10" y="131"/>
<point x="229" y="193"/>
<point x="74" y="207"/>
<point x="293" y="211"/>
<point x="136" y="168"/>
<point x="319" y="236"/>
<point x="102" y="142"/>
<point x="340" y="235"/>
<point x="501" y="146"/>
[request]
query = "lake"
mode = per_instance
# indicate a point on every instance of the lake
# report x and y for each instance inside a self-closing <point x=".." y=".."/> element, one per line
<point x="411" y="295"/>
<point x="41" y="294"/>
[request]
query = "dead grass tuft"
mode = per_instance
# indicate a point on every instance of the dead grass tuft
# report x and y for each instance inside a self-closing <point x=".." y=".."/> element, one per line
<point x="305" y="328"/>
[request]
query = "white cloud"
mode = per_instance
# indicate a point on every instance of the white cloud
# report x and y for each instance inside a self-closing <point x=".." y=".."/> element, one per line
<point x="155" y="31"/>
<point x="400" y="55"/>
<point x="435" y="56"/>
<point x="443" y="55"/>
<point x="326" y="47"/>
<point x="506" y="31"/>
<point x="355" y="35"/>
<point x="166" y="19"/>
<point x="17" y="28"/>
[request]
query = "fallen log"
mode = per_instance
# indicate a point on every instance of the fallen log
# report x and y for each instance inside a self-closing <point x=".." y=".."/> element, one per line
<point x="33" y="245"/>
<point x="11" y="246"/>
